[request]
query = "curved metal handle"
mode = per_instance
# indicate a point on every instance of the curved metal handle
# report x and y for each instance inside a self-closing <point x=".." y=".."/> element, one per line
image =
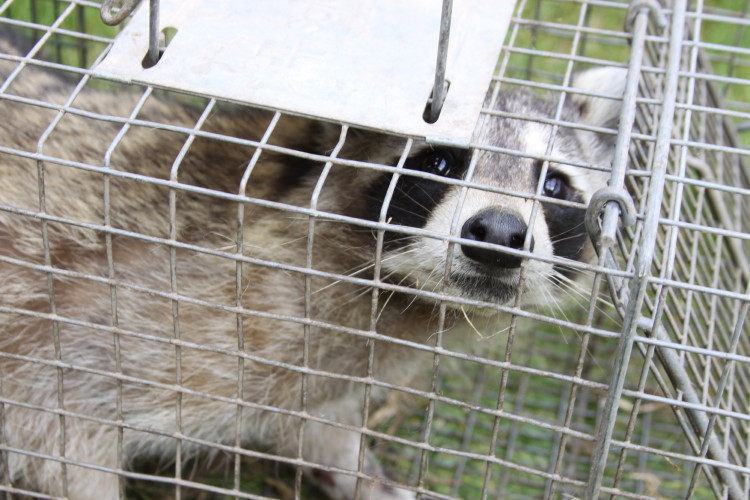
<point x="114" y="17"/>
<point x="596" y="206"/>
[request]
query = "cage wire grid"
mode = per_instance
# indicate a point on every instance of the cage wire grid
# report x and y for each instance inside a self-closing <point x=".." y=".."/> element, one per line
<point x="639" y="391"/>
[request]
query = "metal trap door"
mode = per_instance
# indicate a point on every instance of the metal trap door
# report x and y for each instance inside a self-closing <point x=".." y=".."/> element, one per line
<point x="369" y="63"/>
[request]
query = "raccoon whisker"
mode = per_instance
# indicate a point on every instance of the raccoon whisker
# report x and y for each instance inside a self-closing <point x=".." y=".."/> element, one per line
<point x="570" y="290"/>
<point x="357" y="293"/>
<point x="554" y="305"/>
<point x="362" y="268"/>
<point x="411" y="302"/>
<point x="351" y="297"/>
<point x="409" y="197"/>
<point x="580" y="289"/>
<point x="385" y="304"/>
<point x="562" y="286"/>
<point x="422" y="286"/>
<point x="556" y="302"/>
<point x="222" y="236"/>
<point x="476" y="330"/>
<point x="393" y="292"/>
<point x="570" y="237"/>
<point x="420" y="216"/>
<point x="270" y="247"/>
<point x="406" y="196"/>
<point x="582" y="295"/>
<point x="429" y="197"/>
<point x="570" y="229"/>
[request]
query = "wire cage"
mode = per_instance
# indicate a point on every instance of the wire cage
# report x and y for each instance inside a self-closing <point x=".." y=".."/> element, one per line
<point x="638" y="389"/>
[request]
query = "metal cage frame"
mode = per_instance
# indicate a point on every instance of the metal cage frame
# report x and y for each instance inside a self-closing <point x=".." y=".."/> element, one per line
<point x="647" y="398"/>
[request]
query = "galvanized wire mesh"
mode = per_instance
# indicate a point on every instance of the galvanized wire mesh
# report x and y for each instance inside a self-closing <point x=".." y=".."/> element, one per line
<point x="540" y="409"/>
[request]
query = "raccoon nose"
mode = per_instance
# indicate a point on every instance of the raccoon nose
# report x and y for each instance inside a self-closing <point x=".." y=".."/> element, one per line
<point x="501" y="228"/>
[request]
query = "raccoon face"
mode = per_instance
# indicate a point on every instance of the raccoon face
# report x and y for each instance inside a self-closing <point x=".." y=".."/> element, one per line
<point x="507" y="222"/>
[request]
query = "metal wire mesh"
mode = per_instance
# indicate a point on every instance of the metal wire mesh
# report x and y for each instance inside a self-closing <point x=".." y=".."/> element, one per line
<point x="532" y="408"/>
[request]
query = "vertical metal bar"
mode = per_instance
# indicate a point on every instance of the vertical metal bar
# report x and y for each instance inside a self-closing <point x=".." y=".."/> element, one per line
<point x="5" y="470"/>
<point x="677" y="197"/>
<point x="633" y="419"/>
<point x="527" y="242"/>
<point x="308" y="294"/>
<point x="482" y="122"/>
<point x="374" y="309"/>
<point x="240" y="290"/>
<point x="619" y="166"/>
<point x="518" y="404"/>
<point x="114" y="319"/>
<point x="439" y="89"/>
<point x="48" y="254"/>
<point x="173" y="175"/>
<point x="611" y="214"/>
<point x="153" y="32"/>
<point x="430" y="414"/>
<point x="646" y="253"/>
<point x="572" y="397"/>
<point x="470" y="423"/>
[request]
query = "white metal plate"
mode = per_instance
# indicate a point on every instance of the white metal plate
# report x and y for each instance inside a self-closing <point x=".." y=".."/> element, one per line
<point x="363" y="62"/>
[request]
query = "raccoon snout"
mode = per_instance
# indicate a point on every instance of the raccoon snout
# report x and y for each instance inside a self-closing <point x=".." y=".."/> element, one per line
<point x="493" y="225"/>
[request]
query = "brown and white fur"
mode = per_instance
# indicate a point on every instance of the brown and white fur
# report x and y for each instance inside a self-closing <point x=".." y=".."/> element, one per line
<point x="132" y="340"/>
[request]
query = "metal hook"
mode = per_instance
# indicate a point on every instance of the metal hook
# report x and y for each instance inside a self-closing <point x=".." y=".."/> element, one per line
<point x="596" y="206"/>
<point x="655" y="11"/>
<point x="114" y="17"/>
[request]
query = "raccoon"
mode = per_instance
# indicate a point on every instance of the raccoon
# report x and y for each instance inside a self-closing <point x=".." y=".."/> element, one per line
<point x="160" y="290"/>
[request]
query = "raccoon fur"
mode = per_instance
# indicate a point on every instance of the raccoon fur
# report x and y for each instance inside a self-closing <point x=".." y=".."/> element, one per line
<point x="151" y="298"/>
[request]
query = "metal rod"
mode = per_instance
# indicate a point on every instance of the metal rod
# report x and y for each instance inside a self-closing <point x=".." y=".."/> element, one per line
<point x="645" y="257"/>
<point x="153" y="31"/>
<point x="439" y="89"/>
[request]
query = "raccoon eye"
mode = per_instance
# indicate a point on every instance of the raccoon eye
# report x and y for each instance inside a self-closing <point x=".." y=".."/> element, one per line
<point x="555" y="186"/>
<point x="437" y="162"/>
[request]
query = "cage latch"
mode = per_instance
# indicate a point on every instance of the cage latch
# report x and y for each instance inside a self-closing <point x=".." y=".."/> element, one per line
<point x="596" y="207"/>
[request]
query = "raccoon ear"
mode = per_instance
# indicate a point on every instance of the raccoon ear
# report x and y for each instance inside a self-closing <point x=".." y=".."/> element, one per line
<point x="600" y="111"/>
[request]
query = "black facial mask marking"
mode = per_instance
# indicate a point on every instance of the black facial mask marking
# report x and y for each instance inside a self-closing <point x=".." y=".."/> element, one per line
<point x="565" y="224"/>
<point x="415" y="198"/>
